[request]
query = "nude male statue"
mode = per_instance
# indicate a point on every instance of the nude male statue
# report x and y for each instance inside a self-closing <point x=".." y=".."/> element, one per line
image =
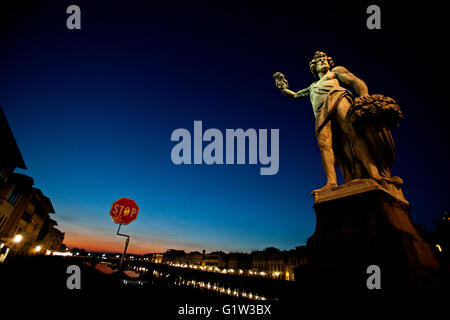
<point x="331" y="104"/>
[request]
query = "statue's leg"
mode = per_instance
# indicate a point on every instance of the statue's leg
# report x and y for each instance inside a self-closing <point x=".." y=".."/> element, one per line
<point x="361" y="149"/>
<point x="324" y="139"/>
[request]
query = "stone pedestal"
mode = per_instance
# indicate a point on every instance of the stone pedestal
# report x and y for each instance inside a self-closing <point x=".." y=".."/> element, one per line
<point x="362" y="223"/>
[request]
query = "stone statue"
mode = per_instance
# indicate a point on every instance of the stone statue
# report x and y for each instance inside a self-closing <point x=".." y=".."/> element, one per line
<point x="367" y="218"/>
<point x="351" y="133"/>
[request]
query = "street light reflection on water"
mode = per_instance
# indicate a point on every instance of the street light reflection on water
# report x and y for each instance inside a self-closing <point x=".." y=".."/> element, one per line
<point x="214" y="286"/>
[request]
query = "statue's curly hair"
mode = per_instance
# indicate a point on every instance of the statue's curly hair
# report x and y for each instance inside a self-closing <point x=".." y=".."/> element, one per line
<point x="312" y="64"/>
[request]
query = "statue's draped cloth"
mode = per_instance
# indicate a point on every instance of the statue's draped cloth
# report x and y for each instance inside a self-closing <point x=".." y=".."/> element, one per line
<point x="325" y="96"/>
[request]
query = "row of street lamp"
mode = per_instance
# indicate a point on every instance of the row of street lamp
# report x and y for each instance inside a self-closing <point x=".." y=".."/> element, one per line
<point x="18" y="239"/>
<point x="230" y="271"/>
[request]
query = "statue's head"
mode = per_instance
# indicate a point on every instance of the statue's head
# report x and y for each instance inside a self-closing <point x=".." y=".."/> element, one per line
<point x="320" y="63"/>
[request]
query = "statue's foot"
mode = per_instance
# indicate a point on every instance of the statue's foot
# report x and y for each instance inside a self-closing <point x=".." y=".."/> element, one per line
<point x="379" y="179"/>
<point x="328" y="186"/>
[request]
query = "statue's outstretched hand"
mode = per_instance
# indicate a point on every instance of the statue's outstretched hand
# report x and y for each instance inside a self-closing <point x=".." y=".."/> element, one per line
<point x="280" y="81"/>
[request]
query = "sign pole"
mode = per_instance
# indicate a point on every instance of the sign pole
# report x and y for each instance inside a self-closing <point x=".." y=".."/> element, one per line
<point x="124" y="211"/>
<point x="126" y="246"/>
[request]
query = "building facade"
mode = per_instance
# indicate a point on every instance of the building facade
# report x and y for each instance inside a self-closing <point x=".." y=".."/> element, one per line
<point x="10" y="156"/>
<point x="50" y="238"/>
<point x="216" y="259"/>
<point x="24" y="209"/>
<point x="273" y="263"/>
<point x="194" y="258"/>
<point x="173" y="256"/>
<point x="239" y="260"/>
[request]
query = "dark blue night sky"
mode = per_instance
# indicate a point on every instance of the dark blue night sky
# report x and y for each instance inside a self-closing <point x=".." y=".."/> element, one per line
<point x="93" y="110"/>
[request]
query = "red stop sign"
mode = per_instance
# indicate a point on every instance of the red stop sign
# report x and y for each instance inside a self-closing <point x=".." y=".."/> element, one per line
<point x="124" y="211"/>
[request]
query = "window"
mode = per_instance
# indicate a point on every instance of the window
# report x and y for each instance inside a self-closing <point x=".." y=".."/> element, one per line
<point x="13" y="197"/>
<point x="4" y="173"/>
<point x="35" y="203"/>
<point x="19" y="229"/>
<point x="26" y="216"/>
<point x="2" y="221"/>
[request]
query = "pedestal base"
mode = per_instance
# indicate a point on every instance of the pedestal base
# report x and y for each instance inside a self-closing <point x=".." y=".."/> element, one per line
<point x="361" y="224"/>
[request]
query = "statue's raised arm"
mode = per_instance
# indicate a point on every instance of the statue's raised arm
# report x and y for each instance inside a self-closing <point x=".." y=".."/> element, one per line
<point x="282" y="84"/>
